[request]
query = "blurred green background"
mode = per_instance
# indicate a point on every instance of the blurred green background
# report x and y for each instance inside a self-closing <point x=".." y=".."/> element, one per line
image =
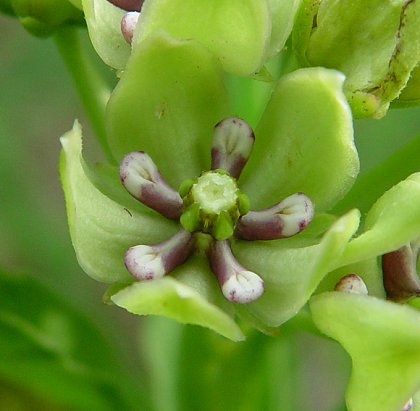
<point x="105" y="359"/>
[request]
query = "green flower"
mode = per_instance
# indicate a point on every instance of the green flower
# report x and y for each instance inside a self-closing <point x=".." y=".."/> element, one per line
<point x="383" y="340"/>
<point x="242" y="34"/>
<point x="375" y="43"/>
<point x="303" y="143"/>
<point x="382" y="337"/>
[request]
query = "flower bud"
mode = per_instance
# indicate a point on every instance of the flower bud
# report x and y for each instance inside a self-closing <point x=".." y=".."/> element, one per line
<point x="374" y="43"/>
<point x="353" y="284"/>
<point x="42" y="17"/>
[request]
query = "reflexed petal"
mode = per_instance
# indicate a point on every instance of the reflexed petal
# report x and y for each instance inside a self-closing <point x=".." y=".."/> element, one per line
<point x="282" y="14"/>
<point x="383" y="340"/>
<point x="102" y="230"/>
<point x="291" y="274"/>
<point x="189" y="295"/>
<point x="236" y="31"/>
<point x="168" y="113"/>
<point x="104" y="24"/>
<point x="304" y="142"/>
<point x="393" y="221"/>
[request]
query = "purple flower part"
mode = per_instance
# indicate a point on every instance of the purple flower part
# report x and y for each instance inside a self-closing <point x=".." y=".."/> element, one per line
<point x="237" y="283"/>
<point x="408" y="405"/>
<point x="148" y="262"/>
<point x="141" y="178"/>
<point x="284" y="219"/>
<point x="400" y="277"/>
<point x="128" y="25"/>
<point x="232" y="144"/>
<point x="128" y="5"/>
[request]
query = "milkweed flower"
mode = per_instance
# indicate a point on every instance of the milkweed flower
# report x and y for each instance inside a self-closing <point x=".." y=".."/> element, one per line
<point x="303" y="143"/>
<point x="242" y="34"/>
<point x="382" y="337"/>
<point x="374" y="43"/>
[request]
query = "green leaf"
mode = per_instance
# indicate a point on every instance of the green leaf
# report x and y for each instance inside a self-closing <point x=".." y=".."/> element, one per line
<point x="393" y="221"/>
<point x="104" y="24"/>
<point x="189" y="295"/>
<point x="383" y="340"/>
<point x="304" y="142"/>
<point x="291" y="274"/>
<point x="236" y="31"/>
<point x="51" y="350"/>
<point x="102" y="229"/>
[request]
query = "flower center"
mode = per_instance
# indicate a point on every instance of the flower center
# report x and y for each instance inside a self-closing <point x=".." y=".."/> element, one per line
<point x="215" y="192"/>
<point x="212" y="204"/>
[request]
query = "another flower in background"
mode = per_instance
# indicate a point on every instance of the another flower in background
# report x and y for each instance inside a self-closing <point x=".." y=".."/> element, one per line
<point x="375" y="43"/>
<point x="242" y="34"/>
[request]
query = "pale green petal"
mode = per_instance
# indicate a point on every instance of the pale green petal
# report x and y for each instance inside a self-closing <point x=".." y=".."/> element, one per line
<point x="282" y="14"/>
<point x="416" y="400"/>
<point x="188" y="295"/>
<point x="383" y="340"/>
<point x="101" y="229"/>
<point x="103" y="20"/>
<point x="304" y="142"/>
<point x="166" y="104"/>
<point x="236" y="31"/>
<point x="393" y="221"/>
<point x="291" y="275"/>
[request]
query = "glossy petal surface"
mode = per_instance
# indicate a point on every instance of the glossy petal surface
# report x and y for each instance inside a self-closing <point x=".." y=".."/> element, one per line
<point x="393" y="221"/>
<point x="383" y="340"/>
<point x="304" y="142"/>
<point x="104" y="24"/>
<point x="291" y="274"/>
<point x="102" y="229"/>
<point x="236" y="31"/>
<point x="168" y="113"/>
<point x="189" y="295"/>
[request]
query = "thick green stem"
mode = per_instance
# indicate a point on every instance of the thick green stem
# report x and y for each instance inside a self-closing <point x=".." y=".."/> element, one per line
<point x="91" y="87"/>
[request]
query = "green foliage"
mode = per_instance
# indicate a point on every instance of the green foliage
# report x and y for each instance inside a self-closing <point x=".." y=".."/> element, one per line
<point x="53" y="351"/>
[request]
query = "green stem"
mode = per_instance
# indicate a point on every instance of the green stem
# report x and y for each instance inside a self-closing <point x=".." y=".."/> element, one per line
<point x="93" y="91"/>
